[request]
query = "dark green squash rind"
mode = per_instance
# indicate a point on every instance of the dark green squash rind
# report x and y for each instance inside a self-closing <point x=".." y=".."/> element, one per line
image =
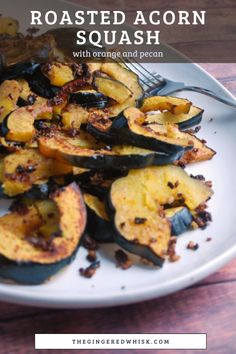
<point x="18" y="70"/>
<point x="31" y="273"/>
<point x="140" y="250"/>
<point x="191" y="122"/>
<point x="180" y="221"/>
<point x="89" y="99"/>
<point x="99" y="229"/>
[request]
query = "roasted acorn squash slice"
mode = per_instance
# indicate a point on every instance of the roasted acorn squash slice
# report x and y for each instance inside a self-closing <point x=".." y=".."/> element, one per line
<point x="29" y="252"/>
<point x="129" y="79"/>
<point x="129" y="128"/>
<point x="180" y="219"/>
<point x="174" y="105"/>
<point x="59" y="74"/>
<point x="116" y="157"/>
<point x="199" y="150"/>
<point x="184" y="120"/>
<point x="24" y="168"/>
<point x="112" y="88"/>
<point x="135" y="201"/>
<point x="73" y="116"/>
<point x="18" y="125"/>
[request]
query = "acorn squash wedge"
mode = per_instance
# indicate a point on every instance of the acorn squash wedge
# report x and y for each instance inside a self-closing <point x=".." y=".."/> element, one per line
<point x="175" y="105"/>
<point x="184" y="120"/>
<point x="37" y="243"/>
<point x="199" y="150"/>
<point x="59" y="74"/>
<point x="129" y="79"/>
<point x="136" y="207"/>
<point x="112" y="88"/>
<point x="24" y="168"/>
<point x="18" y="126"/>
<point x="95" y="157"/>
<point x="129" y="128"/>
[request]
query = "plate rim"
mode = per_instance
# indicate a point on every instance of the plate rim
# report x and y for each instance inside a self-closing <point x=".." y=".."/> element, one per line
<point x="13" y="295"/>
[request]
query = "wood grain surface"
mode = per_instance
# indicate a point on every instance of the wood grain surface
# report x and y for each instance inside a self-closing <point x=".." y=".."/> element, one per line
<point x="209" y="306"/>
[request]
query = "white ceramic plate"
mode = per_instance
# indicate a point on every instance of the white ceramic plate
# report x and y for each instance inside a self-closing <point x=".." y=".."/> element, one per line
<point x="113" y="286"/>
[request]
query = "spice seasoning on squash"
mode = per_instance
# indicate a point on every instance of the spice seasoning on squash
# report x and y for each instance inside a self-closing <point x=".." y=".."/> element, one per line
<point x="139" y="221"/>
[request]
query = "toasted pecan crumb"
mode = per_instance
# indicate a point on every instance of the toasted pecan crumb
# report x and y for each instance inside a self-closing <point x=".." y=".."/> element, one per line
<point x="91" y="256"/>
<point x="198" y="177"/>
<point x="122" y="260"/>
<point x="192" y="246"/>
<point x="40" y="242"/>
<point x="171" y="252"/>
<point x="209" y="184"/>
<point x="170" y="185"/>
<point x="174" y="258"/>
<point x="181" y="164"/>
<point x="89" y="243"/>
<point x="90" y="270"/>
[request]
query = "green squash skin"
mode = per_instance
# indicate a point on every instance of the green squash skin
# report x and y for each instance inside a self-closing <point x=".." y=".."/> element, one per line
<point x="122" y="162"/>
<point x="119" y="133"/>
<point x="99" y="229"/>
<point x="4" y="128"/>
<point x="31" y="273"/>
<point x="89" y="99"/>
<point x="191" y="122"/>
<point x="140" y="250"/>
<point x="180" y="221"/>
<point x="18" y="70"/>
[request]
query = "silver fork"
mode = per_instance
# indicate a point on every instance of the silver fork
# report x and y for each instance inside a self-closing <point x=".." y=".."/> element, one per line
<point x="156" y="84"/>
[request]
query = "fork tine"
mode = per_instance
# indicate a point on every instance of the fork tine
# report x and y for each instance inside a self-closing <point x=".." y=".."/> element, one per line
<point x="145" y="80"/>
<point x="148" y="72"/>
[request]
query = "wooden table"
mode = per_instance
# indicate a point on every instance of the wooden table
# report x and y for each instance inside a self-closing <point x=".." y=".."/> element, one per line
<point x="209" y="306"/>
